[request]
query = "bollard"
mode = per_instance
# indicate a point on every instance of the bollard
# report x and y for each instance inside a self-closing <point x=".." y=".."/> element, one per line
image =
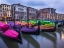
<point x="39" y="23"/>
<point x="56" y="25"/>
<point x="62" y="23"/>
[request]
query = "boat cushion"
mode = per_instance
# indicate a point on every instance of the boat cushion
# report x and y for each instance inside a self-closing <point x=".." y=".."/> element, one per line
<point x="17" y="26"/>
<point x="1" y="24"/>
<point x="11" y="23"/>
<point x="42" y="27"/>
<point x="26" y="29"/>
<point x="5" y="27"/>
<point x="11" y="33"/>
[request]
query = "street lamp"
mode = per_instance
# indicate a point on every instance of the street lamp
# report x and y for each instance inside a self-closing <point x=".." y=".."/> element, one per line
<point x="5" y="17"/>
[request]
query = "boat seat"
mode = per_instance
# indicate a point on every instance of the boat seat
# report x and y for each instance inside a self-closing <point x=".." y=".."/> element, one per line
<point x="26" y="29"/>
<point x="5" y="27"/>
<point x="1" y="24"/>
<point x="11" y="33"/>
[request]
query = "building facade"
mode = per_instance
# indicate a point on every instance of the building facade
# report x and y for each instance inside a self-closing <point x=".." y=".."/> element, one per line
<point x="6" y="10"/>
<point x="19" y="10"/>
<point x="32" y="13"/>
<point x="47" y="13"/>
<point x="59" y="16"/>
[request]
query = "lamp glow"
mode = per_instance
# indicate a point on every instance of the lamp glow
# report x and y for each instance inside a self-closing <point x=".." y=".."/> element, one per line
<point x="62" y="36"/>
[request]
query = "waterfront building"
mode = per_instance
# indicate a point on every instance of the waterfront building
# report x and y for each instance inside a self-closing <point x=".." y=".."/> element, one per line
<point x="6" y="11"/>
<point x="19" y="10"/>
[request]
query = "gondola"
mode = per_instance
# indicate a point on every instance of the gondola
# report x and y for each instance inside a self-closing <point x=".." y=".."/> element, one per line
<point x="31" y="30"/>
<point x="47" y="26"/>
<point x="19" y="39"/>
<point x="45" y="29"/>
<point x="23" y="23"/>
<point x="12" y="24"/>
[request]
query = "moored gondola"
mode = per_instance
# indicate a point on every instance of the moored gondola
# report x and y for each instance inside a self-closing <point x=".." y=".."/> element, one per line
<point x="31" y="30"/>
<point x="7" y="35"/>
<point x="11" y="23"/>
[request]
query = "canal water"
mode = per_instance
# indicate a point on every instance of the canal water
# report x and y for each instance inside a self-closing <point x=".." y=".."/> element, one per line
<point x="44" y="40"/>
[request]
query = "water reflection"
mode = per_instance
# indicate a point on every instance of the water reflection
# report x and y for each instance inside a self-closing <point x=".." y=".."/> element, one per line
<point x="31" y="41"/>
<point x="49" y="36"/>
<point x="62" y="36"/>
<point x="10" y="44"/>
<point x="60" y="30"/>
<point x="52" y="34"/>
<point x="44" y="40"/>
<point x="0" y="35"/>
<point x="59" y="33"/>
